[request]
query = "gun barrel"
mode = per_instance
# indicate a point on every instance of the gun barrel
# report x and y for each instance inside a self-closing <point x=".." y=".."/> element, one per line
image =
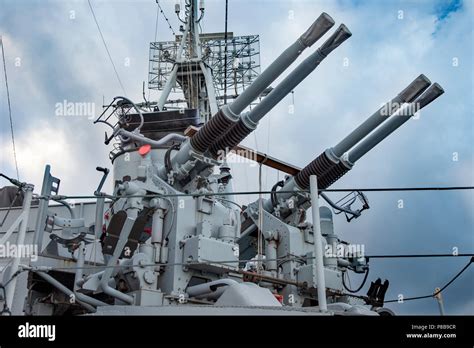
<point x="248" y="122"/>
<point x="398" y="119"/>
<point x="297" y="75"/>
<point x="328" y="172"/>
<point x="328" y="161"/>
<point x="322" y="24"/>
<point x="229" y="114"/>
<point x="402" y="116"/>
<point x="410" y="93"/>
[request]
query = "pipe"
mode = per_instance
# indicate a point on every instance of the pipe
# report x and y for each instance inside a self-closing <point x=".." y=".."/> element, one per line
<point x="68" y="207"/>
<point x="82" y="281"/>
<point x="271" y="256"/>
<point x="256" y="277"/>
<point x="42" y="209"/>
<point x="170" y="83"/>
<point x="20" y="241"/>
<point x="157" y="233"/>
<point x="290" y="188"/>
<point x="318" y="245"/>
<point x="84" y="300"/>
<point x="211" y="289"/>
<point x="99" y="220"/>
<point x="79" y="264"/>
<point x="78" y="279"/>
<point x="167" y="138"/>
<point x="99" y="216"/>
<point x="440" y="301"/>
<point x="248" y="122"/>
<point x="104" y="282"/>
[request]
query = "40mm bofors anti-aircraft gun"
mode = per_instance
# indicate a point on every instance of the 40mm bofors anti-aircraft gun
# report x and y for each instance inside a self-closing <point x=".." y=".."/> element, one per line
<point x="172" y="236"/>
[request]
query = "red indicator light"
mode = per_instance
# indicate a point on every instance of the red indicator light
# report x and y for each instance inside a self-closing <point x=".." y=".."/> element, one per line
<point x="143" y="150"/>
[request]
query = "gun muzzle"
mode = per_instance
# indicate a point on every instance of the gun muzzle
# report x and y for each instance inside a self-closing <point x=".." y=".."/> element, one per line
<point x="330" y="172"/>
<point x="228" y="115"/>
<point x="329" y="160"/>
<point x="248" y="122"/>
<point x="399" y="118"/>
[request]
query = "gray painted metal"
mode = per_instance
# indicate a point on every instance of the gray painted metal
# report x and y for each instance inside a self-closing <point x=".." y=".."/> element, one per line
<point x="318" y="248"/>
<point x="82" y="209"/>
<point x="232" y="111"/>
<point x="20" y="241"/>
<point x="203" y="310"/>
<point x="46" y="190"/>
<point x="104" y="283"/>
<point x="302" y="71"/>
<point x="210" y="289"/>
<point x="194" y="251"/>
<point x="247" y="295"/>
<point x="322" y="24"/>
<point x="65" y="290"/>
<point x="413" y="90"/>
<point x="398" y="119"/>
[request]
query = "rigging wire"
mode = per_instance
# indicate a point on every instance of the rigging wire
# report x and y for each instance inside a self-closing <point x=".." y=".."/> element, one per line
<point x="413" y="256"/>
<point x="225" y="51"/>
<point x="9" y="110"/>
<point x="17" y="195"/>
<point x="389" y="189"/>
<point x="256" y="192"/>
<point x="278" y="259"/>
<point x="5" y="309"/>
<point x="361" y="285"/>
<point x="173" y="212"/>
<point x="269" y="125"/>
<point x="231" y="202"/>
<point x="156" y="35"/>
<point x="436" y="292"/>
<point x="106" y="48"/>
<point x="166" y="18"/>
<point x="430" y="295"/>
<point x="156" y="21"/>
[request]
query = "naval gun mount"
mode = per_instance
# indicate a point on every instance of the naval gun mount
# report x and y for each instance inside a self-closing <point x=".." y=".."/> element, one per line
<point x="171" y="236"/>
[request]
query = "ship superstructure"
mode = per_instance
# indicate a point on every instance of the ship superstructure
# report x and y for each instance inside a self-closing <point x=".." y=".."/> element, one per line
<point x="170" y="239"/>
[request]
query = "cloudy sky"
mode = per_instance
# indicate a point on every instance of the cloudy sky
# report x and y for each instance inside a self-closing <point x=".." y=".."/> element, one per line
<point x="54" y="53"/>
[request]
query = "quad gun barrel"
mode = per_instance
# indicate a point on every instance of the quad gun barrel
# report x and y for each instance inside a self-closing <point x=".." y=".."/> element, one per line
<point x="248" y="122"/>
<point x="331" y="165"/>
<point x="229" y="114"/>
